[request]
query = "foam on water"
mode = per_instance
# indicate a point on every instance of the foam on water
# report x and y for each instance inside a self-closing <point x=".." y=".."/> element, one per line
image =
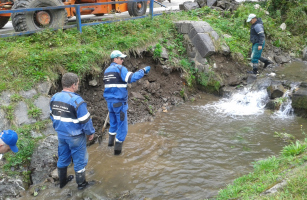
<point x="240" y="104"/>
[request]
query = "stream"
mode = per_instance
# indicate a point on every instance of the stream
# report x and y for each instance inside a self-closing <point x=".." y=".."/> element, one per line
<point x="190" y="152"/>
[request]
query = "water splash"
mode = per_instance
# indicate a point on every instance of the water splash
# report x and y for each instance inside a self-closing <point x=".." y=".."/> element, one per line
<point x="286" y="111"/>
<point x="240" y="104"/>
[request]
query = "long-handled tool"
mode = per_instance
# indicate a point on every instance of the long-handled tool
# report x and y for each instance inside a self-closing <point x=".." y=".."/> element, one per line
<point x="104" y="127"/>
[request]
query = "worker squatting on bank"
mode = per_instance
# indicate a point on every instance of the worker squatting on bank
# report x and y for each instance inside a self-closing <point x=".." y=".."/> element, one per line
<point x="72" y="122"/>
<point x="257" y="38"/>
<point x="116" y="78"/>
<point x="8" y="140"/>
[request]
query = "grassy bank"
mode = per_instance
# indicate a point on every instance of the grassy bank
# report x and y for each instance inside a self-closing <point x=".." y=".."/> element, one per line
<point x="290" y="168"/>
<point x="27" y="60"/>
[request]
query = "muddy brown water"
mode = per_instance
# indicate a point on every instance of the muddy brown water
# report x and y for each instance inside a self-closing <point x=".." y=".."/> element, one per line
<point x="187" y="153"/>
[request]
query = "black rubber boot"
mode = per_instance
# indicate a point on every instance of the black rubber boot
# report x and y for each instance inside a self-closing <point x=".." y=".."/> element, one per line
<point x="111" y="140"/>
<point x="80" y="179"/>
<point x="62" y="172"/>
<point x="255" y="68"/>
<point x="118" y="148"/>
<point x="265" y="61"/>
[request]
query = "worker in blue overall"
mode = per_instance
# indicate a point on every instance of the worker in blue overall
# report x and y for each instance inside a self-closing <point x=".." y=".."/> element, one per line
<point x="116" y="77"/>
<point x="8" y="140"/>
<point x="257" y="38"/>
<point x="73" y="123"/>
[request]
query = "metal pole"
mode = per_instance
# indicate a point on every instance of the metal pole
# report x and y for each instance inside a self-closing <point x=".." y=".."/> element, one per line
<point x="78" y="18"/>
<point x="151" y="8"/>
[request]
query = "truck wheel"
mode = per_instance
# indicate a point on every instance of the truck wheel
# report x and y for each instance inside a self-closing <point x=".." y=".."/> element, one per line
<point x="28" y="21"/>
<point x="137" y="8"/>
<point x="3" y="21"/>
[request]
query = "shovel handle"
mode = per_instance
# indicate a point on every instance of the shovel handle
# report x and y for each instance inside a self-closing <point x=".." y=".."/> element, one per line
<point x="103" y="128"/>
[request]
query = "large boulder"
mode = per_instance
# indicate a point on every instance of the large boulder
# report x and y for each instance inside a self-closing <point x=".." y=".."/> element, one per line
<point x="299" y="100"/>
<point x="44" y="159"/>
<point x="275" y="90"/>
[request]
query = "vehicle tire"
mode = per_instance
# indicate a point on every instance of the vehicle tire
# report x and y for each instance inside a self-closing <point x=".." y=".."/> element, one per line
<point x="3" y="21"/>
<point x="137" y="8"/>
<point x="99" y="15"/>
<point x="28" y="21"/>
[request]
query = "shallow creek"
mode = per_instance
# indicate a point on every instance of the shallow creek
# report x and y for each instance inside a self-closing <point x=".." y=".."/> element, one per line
<point x="190" y="152"/>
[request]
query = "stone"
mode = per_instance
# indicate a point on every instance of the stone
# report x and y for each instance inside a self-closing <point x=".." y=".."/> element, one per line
<point x="201" y="3"/>
<point x="299" y="102"/>
<point x="304" y="54"/>
<point x="256" y="6"/>
<point x="214" y="35"/>
<point x="5" y="98"/>
<point x="4" y="123"/>
<point x="282" y="59"/>
<point x="188" y="5"/>
<point x="44" y="160"/>
<point x="137" y="95"/>
<point x="201" y="67"/>
<point x="44" y="87"/>
<point x="221" y="4"/>
<point x="276" y="90"/>
<point x="183" y="26"/>
<point x="283" y="26"/>
<point x="217" y="8"/>
<point x="28" y="94"/>
<point x="251" y="78"/>
<point x="21" y="114"/>
<point x="203" y="44"/>
<point x="200" y="59"/>
<point x="211" y="3"/>
<point x="49" y="130"/>
<point x="233" y="81"/>
<point x="35" y="134"/>
<point x="164" y="53"/>
<point x="93" y="82"/>
<point x="225" y="50"/>
<point x="43" y="103"/>
<point x="166" y="70"/>
<point x="10" y="188"/>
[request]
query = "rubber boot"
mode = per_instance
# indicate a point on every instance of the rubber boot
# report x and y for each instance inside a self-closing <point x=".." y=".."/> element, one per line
<point x="255" y="68"/>
<point x="111" y="140"/>
<point x="80" y="179"/>
<point x="118" y="148"/>
<point x="62" y="172"/>
<point x="265" y="61"/>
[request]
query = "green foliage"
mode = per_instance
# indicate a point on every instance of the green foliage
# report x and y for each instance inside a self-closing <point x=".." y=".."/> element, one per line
<point x="158" y="50"/>
<point x="266" y="165"/>
<point x="25" y="146"/>
<point x="285" y="136"/>
<point x="190" y="71"/>
<point x="182" y="92"/>
<point x="9" y="112"/>
<point x="208" y="79"/>
<point x="294" y="149"/>
<point x="16" y="97"/>
<point x="34" y="112"/>
<point x="150" y="110"/>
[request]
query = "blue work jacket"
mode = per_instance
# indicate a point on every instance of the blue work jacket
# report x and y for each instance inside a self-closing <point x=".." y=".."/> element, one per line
<point x="69" y="115"/>
<point x="116" y="77"/>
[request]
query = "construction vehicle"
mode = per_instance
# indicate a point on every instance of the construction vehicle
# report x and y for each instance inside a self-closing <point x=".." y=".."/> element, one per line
<point x="34" y="20"/>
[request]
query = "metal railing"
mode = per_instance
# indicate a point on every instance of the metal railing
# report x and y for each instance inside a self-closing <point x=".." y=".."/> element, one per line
<point x="78" y="24"/>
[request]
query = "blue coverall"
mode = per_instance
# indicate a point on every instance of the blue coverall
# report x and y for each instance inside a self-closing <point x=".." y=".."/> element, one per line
<point x="116" y="78"/>
<point x="72" y="122"/>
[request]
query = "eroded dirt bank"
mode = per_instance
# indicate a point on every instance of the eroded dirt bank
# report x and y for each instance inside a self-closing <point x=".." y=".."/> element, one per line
<point x="156" y="92"/>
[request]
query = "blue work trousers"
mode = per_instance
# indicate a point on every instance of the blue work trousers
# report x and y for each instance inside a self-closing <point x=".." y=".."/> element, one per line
<point x="75" y="148"/>
<point x="256" y="54"/>
<point x="118" y="120"/>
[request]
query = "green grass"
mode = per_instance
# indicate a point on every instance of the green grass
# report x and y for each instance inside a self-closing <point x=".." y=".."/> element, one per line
<point x="290" y="166"/>
<point x="26" y="60"/>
